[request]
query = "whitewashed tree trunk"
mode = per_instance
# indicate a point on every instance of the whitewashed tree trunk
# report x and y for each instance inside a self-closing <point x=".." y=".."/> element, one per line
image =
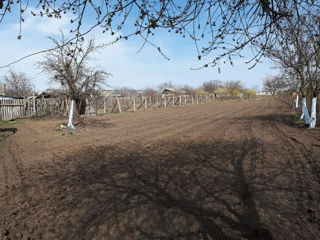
<point x="297" y="101"/>
<point x="70" y="125"/>
<point x="313" y="115"/>
<point x="305" y="110"/>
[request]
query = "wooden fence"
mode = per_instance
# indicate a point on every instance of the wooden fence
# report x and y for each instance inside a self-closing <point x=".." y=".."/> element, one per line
<point x="23" y="108"/>
<point x="124" y="104"/>
<point x="50" y="107"/>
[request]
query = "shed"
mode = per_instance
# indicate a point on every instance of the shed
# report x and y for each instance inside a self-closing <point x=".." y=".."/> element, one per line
<point x="222" y="92"/>
<point x="173" y="92"/>
<point x="3" y="97"/>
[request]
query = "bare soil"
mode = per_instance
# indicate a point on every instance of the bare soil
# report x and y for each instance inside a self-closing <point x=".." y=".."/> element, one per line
<point x="224" y="170"/>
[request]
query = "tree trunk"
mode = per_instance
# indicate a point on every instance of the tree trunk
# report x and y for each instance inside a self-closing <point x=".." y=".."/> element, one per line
<point x="70" y="125"/>
<point x="313" y="115"/>
<point x="297" y="101"/>
<point x="305" y="111"/>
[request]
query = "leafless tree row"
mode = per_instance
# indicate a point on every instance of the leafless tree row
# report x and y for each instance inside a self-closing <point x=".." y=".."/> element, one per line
<point x="296" y="51"/>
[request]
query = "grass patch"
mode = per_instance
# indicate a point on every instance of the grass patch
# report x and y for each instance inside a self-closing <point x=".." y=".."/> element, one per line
<point x="300" y="123"/>
<point x="296" y="116"/>
<point x="6" y="123"/>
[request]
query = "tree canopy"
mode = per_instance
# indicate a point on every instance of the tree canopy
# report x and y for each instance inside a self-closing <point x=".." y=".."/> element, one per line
<point x="219" y="26"/>
<point x="17" y="84"/>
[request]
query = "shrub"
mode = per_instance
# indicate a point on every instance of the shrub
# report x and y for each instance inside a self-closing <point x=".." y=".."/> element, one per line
<point x="250" y="93"/>
<point x="235" y="93"/>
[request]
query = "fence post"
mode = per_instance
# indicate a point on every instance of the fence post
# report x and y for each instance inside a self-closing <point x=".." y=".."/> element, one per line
<point x="119" y="106"/>
<point x="134" y="104"/>
<point x="180" y="100"/>
<point x="173" y="101"/>
<point x="197" y="99"/>
<point x="206" y="98"/>
<point x="34" y="104"/>
<point x="165" y="102"/>
<point x="185" y="99"/>
<point x="192" y="99"/>
<point x="104" y="105"/>
<point x="145" y="102"/>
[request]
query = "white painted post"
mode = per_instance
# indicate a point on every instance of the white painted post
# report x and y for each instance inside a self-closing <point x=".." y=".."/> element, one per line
<point x="34" y="104"/>
<point x="165" y="101"/>
<point x="150" y="100"/>
<point x="104" y="105"/>
<point x="180" y="100"/>
<point x="145" y="102"/>
<point x="192" y="99"/>
<point x="119" y="106"/>
<point x="197" y="99"/>
<point x="206" y="98"/>
<point x="70" y="125"/>
<point x="297" y="101"/>
<point x="134" y="104"/>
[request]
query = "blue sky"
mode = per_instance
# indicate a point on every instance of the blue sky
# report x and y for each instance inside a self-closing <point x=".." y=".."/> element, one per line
<point x="129" y="68"/>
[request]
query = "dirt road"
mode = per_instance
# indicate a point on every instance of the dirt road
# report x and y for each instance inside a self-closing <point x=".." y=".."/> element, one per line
<point x="225" y="170"/>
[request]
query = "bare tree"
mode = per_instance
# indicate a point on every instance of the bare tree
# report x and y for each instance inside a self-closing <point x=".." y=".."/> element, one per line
<point x="234" y="85"/>
<point x="224" y="27"/>
<point x="210" y="86"/>
<point x="188" y="89"/>
<point x="273" y="84"/>
<point x="255" y="88"/>
<point x="18" y="85"/>
<point x="296" y="49"/>
<point x="164" y="85"/>
<point x="67" y="65"/>
<point x="150" y="92"/>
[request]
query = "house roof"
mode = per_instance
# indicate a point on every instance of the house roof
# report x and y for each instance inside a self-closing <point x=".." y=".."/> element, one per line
<point x="175" y="91"/>
<point x="6" y="97"/>
<point x="221" y="90"/>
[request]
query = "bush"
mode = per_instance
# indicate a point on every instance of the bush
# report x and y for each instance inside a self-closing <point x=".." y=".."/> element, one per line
<point x="235" y="93"/>
<point x="250" y="93"/>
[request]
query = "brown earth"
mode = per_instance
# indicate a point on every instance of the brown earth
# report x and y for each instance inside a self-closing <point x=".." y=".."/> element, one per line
<point x="224" y="170"/>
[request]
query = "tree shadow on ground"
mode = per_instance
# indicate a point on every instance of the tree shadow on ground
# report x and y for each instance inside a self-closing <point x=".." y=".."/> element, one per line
<point x="12" y="130"/>
<point x="169" y="190"/>
<point x="177" y="191"/>
<point x="285" y="119"/>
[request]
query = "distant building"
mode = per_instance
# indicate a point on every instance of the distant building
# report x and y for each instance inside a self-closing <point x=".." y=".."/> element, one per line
<point x="3" y="97"/>
<point x="222" y="92"/>
<point x="264" y="93"/>
<point x="173" y="92"/>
